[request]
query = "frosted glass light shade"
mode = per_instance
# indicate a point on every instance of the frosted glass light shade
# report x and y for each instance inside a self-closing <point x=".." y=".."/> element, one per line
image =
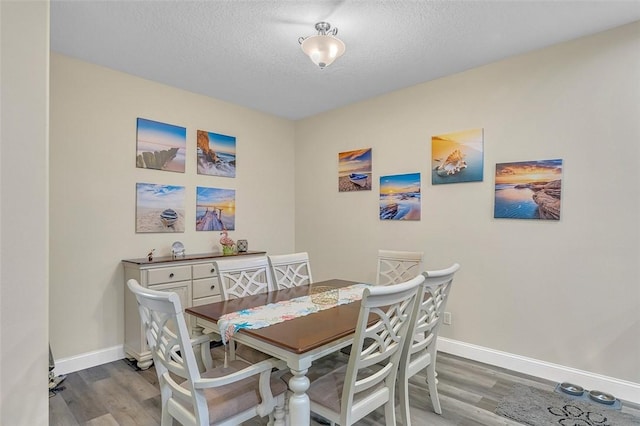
<point x="323" y="49"/>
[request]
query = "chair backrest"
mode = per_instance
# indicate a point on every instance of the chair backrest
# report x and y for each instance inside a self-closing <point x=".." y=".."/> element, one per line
<point x="398" y="266"/>
<point x="170" y="345"/>
<point x="291" y="270"/>
<point x="373" y="363"/>
<point x="244" y="277"/>
<point x="427" y="318"/>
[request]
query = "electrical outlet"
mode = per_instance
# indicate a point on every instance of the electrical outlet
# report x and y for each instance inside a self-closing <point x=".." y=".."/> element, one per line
<point x="447" y="318"/>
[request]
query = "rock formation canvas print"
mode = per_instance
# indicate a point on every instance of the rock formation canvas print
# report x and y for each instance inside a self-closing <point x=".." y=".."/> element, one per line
<point x="159" y="208"/>
<point x="354" y="170"/>
<point x="160" y="146"/>
<point x="400" y="197"/>
<point x="457" y="157"/>
<point x="215" y="209"/>
<point x="216" y="154"/>
<point x="528" y="190"/>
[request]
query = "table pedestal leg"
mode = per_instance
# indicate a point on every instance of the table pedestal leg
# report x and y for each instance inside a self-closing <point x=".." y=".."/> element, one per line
<point x="299" y="407"/>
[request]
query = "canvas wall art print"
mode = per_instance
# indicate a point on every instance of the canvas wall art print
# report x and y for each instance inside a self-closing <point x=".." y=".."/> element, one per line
<point x="457" y="157"/>
<point x="215" y="209"/>
<point x="528" y="190"/>
<point x="354" y="170"/>
<point x="160" y="146"/>
<point x="216" y="154"/>
<point x="400" y="197"/>
<point x="159" y="208"/>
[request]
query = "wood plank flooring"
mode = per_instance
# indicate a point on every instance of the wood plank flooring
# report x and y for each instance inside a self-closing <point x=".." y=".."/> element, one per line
<point x="115" y="394"/>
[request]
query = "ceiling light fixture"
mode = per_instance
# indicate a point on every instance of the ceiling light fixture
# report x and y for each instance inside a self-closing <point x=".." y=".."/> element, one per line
<point x="323" y="48"/>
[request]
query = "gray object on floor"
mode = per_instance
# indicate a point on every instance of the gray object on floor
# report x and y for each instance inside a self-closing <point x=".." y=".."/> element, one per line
<point x="537" y="407"/>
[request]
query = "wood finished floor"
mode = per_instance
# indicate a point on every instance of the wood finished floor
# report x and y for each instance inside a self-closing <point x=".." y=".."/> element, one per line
<point x="116" y="394"/>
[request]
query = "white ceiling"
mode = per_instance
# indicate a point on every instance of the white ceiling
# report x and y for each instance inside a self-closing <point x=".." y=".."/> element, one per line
<point x="247" y="52"/>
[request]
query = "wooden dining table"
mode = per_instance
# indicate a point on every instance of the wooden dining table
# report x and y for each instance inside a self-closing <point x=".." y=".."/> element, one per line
<point x="298" y="341"/>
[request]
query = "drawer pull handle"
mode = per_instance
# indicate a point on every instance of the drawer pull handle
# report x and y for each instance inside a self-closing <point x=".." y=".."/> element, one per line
<point x="213" y="287"/>
<point x="171" y="275"/>
<point x="213" y="270"/>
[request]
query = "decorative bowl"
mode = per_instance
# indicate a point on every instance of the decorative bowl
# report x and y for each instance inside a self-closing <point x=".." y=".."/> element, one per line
<point x="324" y="295"/>
<point x="602" y="397"/>
<point x="571" y="389"/>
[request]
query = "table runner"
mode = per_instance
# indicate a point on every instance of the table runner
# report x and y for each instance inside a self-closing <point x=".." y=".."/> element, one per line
<point x="273" y="313"/>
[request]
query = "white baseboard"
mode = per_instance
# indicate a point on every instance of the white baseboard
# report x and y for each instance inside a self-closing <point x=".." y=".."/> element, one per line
<point x="621" y="389"/>
<point x="88" y="360"/>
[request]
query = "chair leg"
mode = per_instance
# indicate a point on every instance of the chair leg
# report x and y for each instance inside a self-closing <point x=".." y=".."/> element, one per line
<point x="278" y="412"/>
<point x="166" y="419"/>
<point x="433" y="388"/>
<point x="403" y="381"/>
<point x="390" y="412"/>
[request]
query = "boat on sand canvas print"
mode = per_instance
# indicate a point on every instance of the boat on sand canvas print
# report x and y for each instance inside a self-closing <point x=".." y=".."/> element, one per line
<point x="159" y="208"/>
<point x="354" y="170"/>
<point x="457" y="157"/>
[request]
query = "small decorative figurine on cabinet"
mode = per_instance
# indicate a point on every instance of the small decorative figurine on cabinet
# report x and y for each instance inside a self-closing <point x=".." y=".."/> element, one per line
<point x="227" y="243"/>
<point x="150" y="255"/>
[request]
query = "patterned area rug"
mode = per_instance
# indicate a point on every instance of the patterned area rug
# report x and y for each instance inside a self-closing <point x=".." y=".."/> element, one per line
<point x="537" y="407"/>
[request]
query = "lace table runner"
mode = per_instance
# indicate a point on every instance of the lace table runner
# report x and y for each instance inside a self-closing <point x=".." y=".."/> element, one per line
<point x="273" y="313"/>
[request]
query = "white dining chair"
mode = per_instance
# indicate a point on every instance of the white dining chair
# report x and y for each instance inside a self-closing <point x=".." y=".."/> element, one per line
<point x="217" y="396"/>
<point x="420" y="352"/>
<point x="239" y="278"/>
<point x="367" y="380"/>
<point x="398" y="266"/>
<point x="290" y="270"/>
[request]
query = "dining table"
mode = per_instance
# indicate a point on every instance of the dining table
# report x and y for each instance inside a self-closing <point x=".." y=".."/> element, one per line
<point x="298" y="341"/>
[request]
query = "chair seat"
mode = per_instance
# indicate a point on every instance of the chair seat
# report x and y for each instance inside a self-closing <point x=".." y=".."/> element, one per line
<point x="226" y="401"/>
<point x="326" y="390"/>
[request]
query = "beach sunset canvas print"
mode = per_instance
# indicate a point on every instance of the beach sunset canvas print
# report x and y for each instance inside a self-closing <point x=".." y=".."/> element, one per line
<point x="215" y="209"/>
<point x="160" y="146"/>
<point x="528" y="190"/>
<point x="354" y="170"/>
<point x="216" y="154"/>
<point x="159" y="208"/>
<point x="400" y="197"/>
<point x="457" y="157"/>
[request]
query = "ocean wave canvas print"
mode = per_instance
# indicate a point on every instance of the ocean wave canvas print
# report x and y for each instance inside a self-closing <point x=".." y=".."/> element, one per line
<point x="160" y="146"/>
<point x="159" y="208"/>
<point x="528" y="190"/>
<point x="215" y="209"/>
<point x="457" y="157"/>
<point x="216" y="154"/>
<point x="354" y="170"/>
<point x="400" y="197"/>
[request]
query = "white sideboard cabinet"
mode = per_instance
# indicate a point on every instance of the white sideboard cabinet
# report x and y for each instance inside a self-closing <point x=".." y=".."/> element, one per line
<point x="192" y="277"/>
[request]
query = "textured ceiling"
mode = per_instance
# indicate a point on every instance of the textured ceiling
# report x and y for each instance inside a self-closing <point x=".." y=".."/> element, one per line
<point x="247" y="53"/>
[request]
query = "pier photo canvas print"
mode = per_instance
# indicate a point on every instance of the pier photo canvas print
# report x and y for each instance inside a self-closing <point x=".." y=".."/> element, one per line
<point x="159" y="208"/>
<point x="354" y="170"/>
<point x="457" y="157"/>
<point x="400" y="197"/>
<point x="216" y="154"/>
<point x="528" y="190"/>
<point x="160" y="146"/>
<point x="215" y="209"/>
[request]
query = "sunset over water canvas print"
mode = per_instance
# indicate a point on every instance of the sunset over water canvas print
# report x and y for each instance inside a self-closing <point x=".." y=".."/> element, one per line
<point x="400" y="197"/>
<point x="457" y="157"/>
<point x="215" y="209"/>
<point x="528" y="190"/>
<point x="354" y="170"/>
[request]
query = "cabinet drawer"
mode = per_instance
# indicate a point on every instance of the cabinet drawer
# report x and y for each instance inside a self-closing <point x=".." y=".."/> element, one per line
<point x="206" y="300"/>
<point x="204" y="270"/>
<point x="205" y="288"/>
<point x="168" y="275"/>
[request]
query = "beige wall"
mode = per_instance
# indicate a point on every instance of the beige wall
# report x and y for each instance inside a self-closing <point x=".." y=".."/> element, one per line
<point x="93" y="180"/>
<point x="24" y="307"/>
<point x="562" y="292"/>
